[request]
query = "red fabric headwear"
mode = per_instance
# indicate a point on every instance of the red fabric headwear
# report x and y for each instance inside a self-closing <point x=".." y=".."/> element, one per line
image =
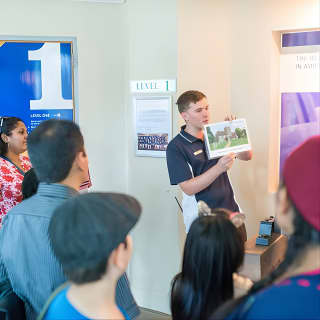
<point x="301" y="174"/>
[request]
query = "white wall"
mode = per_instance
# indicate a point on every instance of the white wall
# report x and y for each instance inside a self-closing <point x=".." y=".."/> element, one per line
<point x="152" y="54"/>
<point x="228" y="50"/>
<point x="255" y="92"/>
<point x="100" y="31"/>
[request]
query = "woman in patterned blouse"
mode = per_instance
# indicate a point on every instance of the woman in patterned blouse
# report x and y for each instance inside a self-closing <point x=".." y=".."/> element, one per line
<point x="13" y="165"/>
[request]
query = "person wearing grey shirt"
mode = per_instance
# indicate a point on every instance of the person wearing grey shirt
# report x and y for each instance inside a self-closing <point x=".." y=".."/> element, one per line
<point x="57" y="153"/>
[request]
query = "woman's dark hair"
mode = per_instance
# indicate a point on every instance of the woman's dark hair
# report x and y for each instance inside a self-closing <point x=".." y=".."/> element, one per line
<point x="29" y="184"/>
<point x="7" y="124"/>
<point x="304" y="236"/>
<point x="213" y="251"/>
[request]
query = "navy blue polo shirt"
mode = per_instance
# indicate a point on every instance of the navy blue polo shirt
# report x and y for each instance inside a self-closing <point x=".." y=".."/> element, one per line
<point x="185" y="151"/>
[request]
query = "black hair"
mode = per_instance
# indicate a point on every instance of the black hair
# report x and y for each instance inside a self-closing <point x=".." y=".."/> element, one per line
<point x="191" y="96"/>
<point x="53" y="147"/>
<point x="81" y="275"/>
<point x="8" y="124"/>
<point x="213" y="251"/>
<point x="29" y="184"/>
<point x="304" y="236"/>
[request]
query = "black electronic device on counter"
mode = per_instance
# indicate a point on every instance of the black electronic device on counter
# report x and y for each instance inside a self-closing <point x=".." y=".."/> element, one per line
<point x="265" y="232"/>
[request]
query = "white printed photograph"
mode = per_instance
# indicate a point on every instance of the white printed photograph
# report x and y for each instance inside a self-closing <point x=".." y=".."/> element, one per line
<point x="224" y="137"/>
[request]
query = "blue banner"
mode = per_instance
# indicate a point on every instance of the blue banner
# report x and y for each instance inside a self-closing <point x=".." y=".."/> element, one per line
<point x="300" y="95"/>
<point x="296" y="39"/>
<point x="36" y="81"/>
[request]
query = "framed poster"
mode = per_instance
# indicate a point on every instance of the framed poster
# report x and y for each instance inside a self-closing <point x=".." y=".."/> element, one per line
<point x="153" y="123"/>
<point x="37" y="79"/>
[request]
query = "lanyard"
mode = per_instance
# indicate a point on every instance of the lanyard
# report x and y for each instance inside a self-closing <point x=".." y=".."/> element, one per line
<point x="5" y="158"/>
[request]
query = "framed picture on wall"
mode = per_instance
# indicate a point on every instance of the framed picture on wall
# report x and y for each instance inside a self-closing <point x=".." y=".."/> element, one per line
<point x="153" y="125"/>
<point x="37" y="78"/>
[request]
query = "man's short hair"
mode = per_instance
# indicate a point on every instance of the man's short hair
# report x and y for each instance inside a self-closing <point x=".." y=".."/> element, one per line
<point x="191" y="96"/>
<point x="52" y="148"/>
<point x="85" y="229"/>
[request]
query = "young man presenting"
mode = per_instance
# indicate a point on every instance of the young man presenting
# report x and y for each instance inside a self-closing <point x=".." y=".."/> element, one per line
<point x="198" y="177"/>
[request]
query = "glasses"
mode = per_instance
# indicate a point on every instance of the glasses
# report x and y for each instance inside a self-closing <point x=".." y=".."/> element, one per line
<point x="1" y="122"/>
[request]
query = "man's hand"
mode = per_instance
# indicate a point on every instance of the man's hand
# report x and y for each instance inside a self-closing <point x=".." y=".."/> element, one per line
<point x="226" y="162"/>
<point x="245" y="155"/>
<point x="199" y="183"/>
<point x="230" y="117"/>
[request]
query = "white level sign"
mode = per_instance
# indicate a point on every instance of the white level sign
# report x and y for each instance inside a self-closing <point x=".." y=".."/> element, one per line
<point x="145" y="86"/>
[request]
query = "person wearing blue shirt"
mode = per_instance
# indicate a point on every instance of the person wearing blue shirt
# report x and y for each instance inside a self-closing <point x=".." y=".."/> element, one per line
<point x="93" y="258"/>
<point x="198" y="177"/>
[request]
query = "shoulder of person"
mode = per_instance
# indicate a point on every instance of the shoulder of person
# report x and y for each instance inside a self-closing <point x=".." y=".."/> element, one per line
<point x="172" y="145"/>
<point x="242" y="282"/>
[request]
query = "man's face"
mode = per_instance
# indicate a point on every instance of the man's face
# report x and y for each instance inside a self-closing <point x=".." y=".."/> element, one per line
<point x="81" y="162"/>
<point x="17" y="141"/>
<point x="197" y="115"/>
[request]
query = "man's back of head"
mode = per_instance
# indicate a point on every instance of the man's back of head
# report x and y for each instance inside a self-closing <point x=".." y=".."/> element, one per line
<point x="53" y="147"/>
<point x="93" y="258"/>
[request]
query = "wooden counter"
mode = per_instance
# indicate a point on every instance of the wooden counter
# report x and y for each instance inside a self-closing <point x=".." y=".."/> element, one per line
<point x="261" y="260"/>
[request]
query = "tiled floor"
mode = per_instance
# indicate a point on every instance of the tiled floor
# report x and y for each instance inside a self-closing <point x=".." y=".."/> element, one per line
<point x="147" y="314"/>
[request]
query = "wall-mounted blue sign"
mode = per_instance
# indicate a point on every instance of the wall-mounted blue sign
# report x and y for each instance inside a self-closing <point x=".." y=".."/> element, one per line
<point x="37" y="80"/>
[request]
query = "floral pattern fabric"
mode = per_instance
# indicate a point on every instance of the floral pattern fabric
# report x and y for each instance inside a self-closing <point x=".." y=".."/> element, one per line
<point x="10" y="184"/>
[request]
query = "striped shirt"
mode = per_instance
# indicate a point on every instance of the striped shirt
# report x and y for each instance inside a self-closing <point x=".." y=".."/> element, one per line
<point x="26" y="257"/>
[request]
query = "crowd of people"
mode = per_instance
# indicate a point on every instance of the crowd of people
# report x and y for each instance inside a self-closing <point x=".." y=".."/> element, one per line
<point x="65" y="254"/>
<point x="28" y="265"/>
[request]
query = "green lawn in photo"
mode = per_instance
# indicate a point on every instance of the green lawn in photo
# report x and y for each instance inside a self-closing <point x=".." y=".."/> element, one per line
<point x="220" y="145"/>
<point x="239" y="142"/>
<point x="233" y="143"/>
